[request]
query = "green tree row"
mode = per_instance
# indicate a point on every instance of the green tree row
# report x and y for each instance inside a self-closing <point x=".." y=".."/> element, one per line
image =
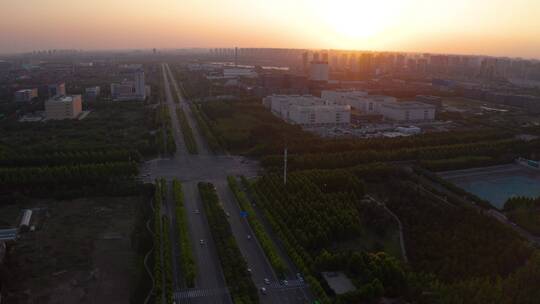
<point x="67" y="157"/>
<point x="349" y="159"/>
<point x="187" y="261"/>
<point x="187" y="132"/>
<point x="462" y="162"/>
<point x="164" y="139"/>
<point x="266" y="242"/>
<point x="167" y="260"/>
<point x="158" y="235"/>
<point x="241" y="287"/>
<point x="70" y="174"/>
<point x="211" y="139"/>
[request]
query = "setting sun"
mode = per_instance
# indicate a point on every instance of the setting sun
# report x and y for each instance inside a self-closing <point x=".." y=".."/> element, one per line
<point x="357" y="20"/>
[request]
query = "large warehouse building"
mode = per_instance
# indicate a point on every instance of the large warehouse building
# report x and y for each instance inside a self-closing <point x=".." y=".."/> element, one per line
<point x="307" y="110"/>
<point x="387" y="106"/>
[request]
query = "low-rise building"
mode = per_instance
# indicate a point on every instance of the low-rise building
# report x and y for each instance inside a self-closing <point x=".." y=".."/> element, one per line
<point x="307" y="110"/>
<point x="26" y="95"/>
<point x="63" y="107"/>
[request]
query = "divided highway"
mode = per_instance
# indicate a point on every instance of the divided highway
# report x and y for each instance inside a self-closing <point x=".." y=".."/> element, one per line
<point x="210" y="286"/>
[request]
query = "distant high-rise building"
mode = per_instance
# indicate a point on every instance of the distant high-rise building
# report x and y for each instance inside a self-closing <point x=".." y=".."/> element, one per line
<point x="134" y="89"/>
<point x="318" y="69"/>
<point x="305" y="61"/>
<point x="92" y="93"/>
<point x="56" y="89"/>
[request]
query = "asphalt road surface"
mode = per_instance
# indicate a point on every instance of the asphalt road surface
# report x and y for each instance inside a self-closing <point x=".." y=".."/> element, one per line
<point x="206" y="166"/>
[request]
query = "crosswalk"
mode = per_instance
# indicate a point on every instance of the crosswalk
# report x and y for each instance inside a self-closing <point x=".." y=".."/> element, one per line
<point x="183" y="295"/>
<point x="277" y="285"/>
<point x="198" y="293"/>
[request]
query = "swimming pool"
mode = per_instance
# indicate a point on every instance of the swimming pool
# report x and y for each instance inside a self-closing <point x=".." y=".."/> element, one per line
<point x="497" y="184"/>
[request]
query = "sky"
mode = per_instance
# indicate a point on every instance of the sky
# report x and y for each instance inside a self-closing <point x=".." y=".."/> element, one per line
<point x="487" y="27"/>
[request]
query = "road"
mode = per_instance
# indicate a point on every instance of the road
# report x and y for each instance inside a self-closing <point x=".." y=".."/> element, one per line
<point x="206" y="166"/>
<point x="210" y="285"/>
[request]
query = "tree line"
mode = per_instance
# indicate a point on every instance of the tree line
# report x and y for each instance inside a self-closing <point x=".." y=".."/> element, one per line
<point x="268" y="246"/>
<point x="67" y="157"/>
<point x="187" y="132"/>
<point x="238" y="279"/>
<point x="213" y="142"/>
<point x="187" y="261"/>
<point x="349" y="159"/>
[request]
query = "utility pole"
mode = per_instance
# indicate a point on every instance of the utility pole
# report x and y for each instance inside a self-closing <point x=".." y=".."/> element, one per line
<point x="285" y="166"/>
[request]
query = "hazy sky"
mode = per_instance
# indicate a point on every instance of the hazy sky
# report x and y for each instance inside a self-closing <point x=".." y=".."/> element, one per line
<point x="492" y="27"/>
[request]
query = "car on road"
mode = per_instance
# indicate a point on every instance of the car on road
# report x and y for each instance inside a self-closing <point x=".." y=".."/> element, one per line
<point x="249" y="237"/>
<point x="201" y="242"/>
<point x="197" y="211"/>
<point x="266" y="281"/>
<point x="228" y="214"/>
<point x="249" y="270"/>
<point x="285" y="282"/>
<point x="263" y="290"/>
<point x="299" y="277"/>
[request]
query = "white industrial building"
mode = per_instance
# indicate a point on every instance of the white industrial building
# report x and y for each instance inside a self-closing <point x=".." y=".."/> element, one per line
<point x="360" y="100"/>
<point x="239" y="72"/>
<point x="133" y="89"/>
<point x="26" y="95"/>
<point x="307" y="110"/>
<point x="386" y="106"/>
<point x="63" y="107"/>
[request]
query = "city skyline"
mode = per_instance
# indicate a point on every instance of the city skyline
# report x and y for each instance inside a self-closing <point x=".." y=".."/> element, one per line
<point x="493" y="28"/>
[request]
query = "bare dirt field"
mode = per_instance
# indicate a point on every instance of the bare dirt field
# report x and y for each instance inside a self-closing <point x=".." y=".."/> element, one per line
<point x="80" y="252"/>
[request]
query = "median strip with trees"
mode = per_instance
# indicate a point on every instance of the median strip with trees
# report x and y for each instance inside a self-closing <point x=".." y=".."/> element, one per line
<point x="264" y="239"/>
<point x="187" y="132"/>
<point x="234" y="266"/>
<point x="187" y="262"/>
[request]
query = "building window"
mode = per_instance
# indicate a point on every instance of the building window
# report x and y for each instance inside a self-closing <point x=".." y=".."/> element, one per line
<point x="407" y="116"/>
<point x="425" y="114"/>
<point x="370" y="107"/>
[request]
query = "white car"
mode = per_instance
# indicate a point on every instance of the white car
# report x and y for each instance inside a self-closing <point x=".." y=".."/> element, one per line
<point x="197" y="211"/>
<point x="266" y="281"/>
<point x="263" y="290"/>
<point x="201" y="242"/>
<point x="249" y="237"/>
<point x="249" y="270"/>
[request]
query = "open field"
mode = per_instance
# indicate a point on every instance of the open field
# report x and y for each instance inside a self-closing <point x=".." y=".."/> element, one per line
<point x="81" y="252"/>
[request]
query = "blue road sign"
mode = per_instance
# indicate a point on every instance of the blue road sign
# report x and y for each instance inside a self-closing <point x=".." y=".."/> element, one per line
<point x="243" y="213"/>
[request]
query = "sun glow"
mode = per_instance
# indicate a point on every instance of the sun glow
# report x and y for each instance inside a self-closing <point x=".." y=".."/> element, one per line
<point x="358" y="20"/>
